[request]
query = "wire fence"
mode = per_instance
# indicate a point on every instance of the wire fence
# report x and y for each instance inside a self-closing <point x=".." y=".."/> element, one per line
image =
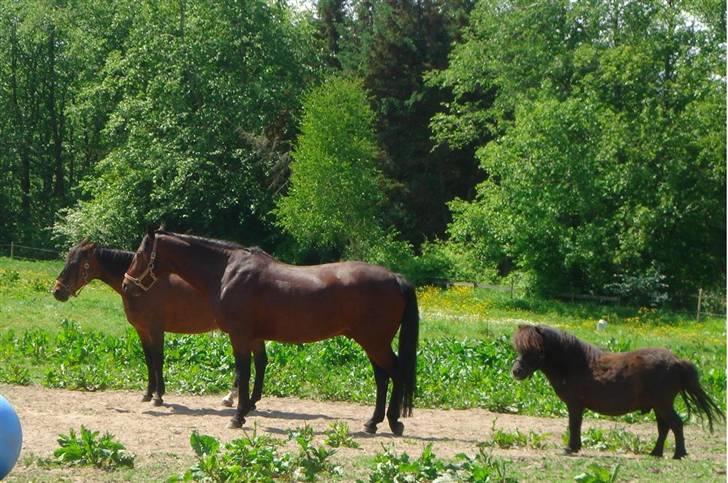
<point x="25" y="252"/>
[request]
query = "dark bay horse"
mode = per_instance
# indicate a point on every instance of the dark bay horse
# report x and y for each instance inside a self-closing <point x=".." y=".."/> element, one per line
<point x="586" y="377"/>
<point x="255" y="297"/>
<point x="172" y="305"/>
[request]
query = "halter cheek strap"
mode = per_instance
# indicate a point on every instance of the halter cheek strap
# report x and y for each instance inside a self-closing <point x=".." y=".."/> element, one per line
<point x="149" y="272"/>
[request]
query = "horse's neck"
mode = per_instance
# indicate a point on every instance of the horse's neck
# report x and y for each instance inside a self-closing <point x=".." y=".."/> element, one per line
<point x="112" y="274"/>
<point x="201" y="267"/>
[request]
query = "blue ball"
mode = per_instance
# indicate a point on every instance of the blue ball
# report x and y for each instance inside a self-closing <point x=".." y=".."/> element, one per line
<point x="11" y="437"/>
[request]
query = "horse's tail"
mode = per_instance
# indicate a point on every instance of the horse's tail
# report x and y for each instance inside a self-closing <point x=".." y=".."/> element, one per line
<point x="408" y="335"/>
<point x="696" y="399"/>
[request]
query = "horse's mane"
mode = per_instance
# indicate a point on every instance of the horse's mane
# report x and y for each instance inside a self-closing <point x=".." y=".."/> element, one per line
<point x="114" y="261"/>
<point x="550" y="341"/>
<point x="214" y="243"/>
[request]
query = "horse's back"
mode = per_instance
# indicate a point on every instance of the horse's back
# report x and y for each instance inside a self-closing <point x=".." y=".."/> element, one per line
<point x="305" y="303"/>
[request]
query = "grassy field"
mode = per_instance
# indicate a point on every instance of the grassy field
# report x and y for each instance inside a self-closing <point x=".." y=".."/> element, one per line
<point x="464" y="359"/>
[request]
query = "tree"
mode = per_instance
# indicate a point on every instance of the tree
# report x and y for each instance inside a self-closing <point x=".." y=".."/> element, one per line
<point x="335" y="195"/>
<point x="606" y="164"/>
<point x="195" y="83"/>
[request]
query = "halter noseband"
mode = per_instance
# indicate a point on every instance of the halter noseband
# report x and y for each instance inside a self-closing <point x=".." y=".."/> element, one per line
<point x="149" y="272"/>
<point x="84" y="277"/>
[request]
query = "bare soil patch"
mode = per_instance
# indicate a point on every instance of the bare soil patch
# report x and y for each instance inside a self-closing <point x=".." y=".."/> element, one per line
<point x="162" y="433"/>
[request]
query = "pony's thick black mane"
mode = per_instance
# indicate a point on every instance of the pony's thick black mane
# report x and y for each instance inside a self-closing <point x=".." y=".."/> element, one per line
<point x="215" y="243"/>
<point x="555" y="344"/>
<point x="114" y="261"/>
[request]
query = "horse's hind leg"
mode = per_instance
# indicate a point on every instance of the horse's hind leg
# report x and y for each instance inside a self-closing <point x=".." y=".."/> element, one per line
<point x="662" y="429"/>
<point x="676" y="425"/>
<point x="382" y="380"/>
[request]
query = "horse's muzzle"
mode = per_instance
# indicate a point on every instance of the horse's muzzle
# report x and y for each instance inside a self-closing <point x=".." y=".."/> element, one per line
<point x="60" y="293"/>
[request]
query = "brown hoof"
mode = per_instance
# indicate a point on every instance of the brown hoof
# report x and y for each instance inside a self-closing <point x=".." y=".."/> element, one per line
<point x="569" y="452"/>
<point x="158" y="402"/>
<point x="678" y="456"/>
<point x="146" y="398"/>
<point x="227" y="402"/>
<point x="370" y="428"/>
<point x="235" y="424"/>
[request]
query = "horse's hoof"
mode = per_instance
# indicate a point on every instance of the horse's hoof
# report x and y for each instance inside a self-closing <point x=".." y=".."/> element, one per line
<point x="569" y="452"/>
<point x="251" y="407"/>
<point x="678" y="456"/>
<point x="235" y="424"/>
<point x="146" y="398"/>
<point x="158" y="401"/>
<point x="370" y="428"/>
<point x="227" y="402"/>
<point x="655" y="454"/>
<point x="397" y="428"/>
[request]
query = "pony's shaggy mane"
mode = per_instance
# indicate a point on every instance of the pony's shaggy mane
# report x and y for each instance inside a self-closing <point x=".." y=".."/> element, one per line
<point x="539" y="339"/>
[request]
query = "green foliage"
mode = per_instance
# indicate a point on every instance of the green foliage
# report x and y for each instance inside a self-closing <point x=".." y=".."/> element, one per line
<point x="88" y="449"/>
<point x="515" y="439"/>
<point x="598" y="474"/>
<point x="606" y="166"/>
<point x="256" y="458"/>
<point x="392" y="468"/>
<point x="189" y="91"/>
<point x="335" y="194"/>
<point x="617" y="439"/>
<point x="338" y="436"/>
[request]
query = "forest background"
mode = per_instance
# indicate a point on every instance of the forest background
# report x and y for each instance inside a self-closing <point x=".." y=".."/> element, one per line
<point x="562" y="146"/>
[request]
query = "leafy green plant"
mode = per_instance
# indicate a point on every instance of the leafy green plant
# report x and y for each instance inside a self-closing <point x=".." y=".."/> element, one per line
<point x="392" y="468"/>
<point x="617" y="439"/>
<point x="88" y="449"/>
<point x="310" y="460"/>
<point x="515" y="439"/>
<point x="338" y="435"/>
<point x="598" y="474"/>
<point x="255" y="458"/>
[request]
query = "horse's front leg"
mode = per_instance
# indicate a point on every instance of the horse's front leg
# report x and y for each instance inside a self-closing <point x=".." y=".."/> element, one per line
<point x="576" y="412"/>
<point x="242" y="368"/>
<point x="260" y="360"/>
<point x="151" y="380"/>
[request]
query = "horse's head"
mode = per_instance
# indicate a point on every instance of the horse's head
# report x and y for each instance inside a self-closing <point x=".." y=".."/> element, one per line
<point x="81" y="267"/>
<point x="141" y="275"/>
<point x="530" y="345"/>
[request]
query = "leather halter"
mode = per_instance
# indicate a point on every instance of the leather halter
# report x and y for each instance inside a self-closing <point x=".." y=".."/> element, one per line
<point x="149" y="272"/>
<point x="84" y="277"/>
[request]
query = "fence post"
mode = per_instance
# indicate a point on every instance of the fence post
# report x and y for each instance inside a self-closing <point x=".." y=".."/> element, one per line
<point x="12" y="249"/>
<point x="700" y="299"/>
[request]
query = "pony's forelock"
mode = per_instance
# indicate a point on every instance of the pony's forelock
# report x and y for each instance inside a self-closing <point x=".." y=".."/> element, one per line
<point x="528" y="339"/>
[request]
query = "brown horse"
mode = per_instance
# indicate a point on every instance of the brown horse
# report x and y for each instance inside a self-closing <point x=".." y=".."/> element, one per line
<point x="254" y="297"/>
<point x="172" y="305"/>
<point x="585" y="377"/>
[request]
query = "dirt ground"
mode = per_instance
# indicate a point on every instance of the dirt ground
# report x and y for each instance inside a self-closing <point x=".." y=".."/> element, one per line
<point x="154" y="433"/>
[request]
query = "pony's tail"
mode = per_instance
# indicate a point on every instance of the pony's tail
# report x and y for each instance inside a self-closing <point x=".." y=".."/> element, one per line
<point x="408" y="335"/>
<point x="696" y="399"/>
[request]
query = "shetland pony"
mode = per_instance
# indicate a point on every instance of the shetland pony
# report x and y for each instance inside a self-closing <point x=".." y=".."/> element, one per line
<point x="586" y="377"/>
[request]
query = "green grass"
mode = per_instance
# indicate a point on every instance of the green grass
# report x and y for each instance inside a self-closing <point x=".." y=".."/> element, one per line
<point x="27" y="303"/>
